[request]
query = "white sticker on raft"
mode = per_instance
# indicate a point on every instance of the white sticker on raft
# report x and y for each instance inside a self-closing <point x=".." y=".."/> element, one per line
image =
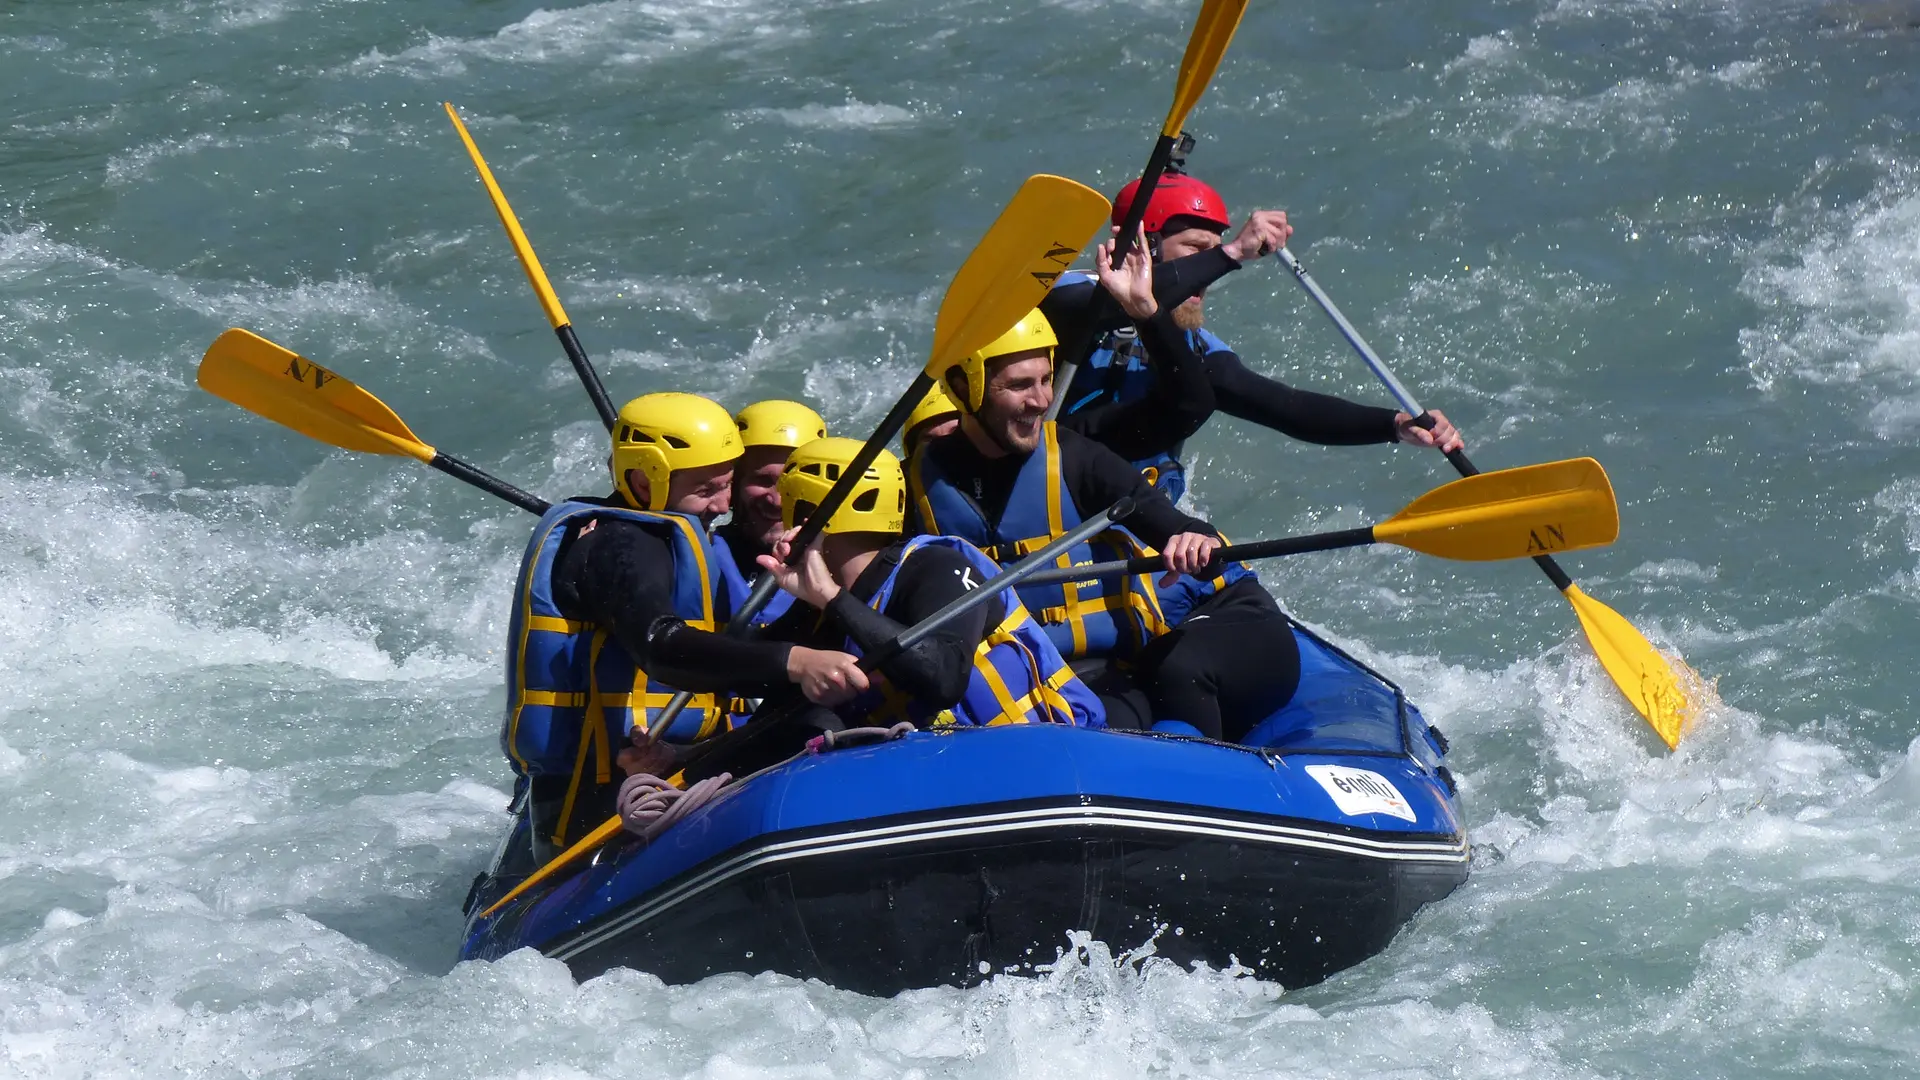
<point x="1357" y="791"/>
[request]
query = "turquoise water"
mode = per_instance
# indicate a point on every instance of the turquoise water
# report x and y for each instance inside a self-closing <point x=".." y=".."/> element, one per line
<point x="248" y="754"/>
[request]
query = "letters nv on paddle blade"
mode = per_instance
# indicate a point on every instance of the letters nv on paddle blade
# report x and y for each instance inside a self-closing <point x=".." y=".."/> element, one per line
<point x="1510" y="514"/>
<point x="1033" y="241"/>
<point x="287" y="388"/>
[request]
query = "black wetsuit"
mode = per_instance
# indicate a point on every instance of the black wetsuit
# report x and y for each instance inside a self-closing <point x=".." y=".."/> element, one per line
<point x="935" y="670"/>
<point x="1232" y="662"/>
<point x="1235" y="654"/>
<point x="1182" y="402"/>
<point x="1082" y="312"/>
<point x="619" y="575"/>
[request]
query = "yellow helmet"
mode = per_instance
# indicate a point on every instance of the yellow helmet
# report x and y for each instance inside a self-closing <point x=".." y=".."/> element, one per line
<point x="878" y="503"/>
<point x="660" y="434"/>
<point x="779" y="423"/>
<point x="1033" y="331"/>
<point x="937" y="405"/>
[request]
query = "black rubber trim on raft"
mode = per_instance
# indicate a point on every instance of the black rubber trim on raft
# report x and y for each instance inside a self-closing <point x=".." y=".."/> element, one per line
<point x="1074" y="813"/>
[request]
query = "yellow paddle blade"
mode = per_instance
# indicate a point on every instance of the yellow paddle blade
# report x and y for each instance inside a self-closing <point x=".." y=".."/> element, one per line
<point x="528" y="260"/>
<point x="1644" y="676"/>
<point x="1510" y="514"/>
<point x="589" y="842"/>
<point x="1030" y="244"/>
<point x="1212" y="32"/>
<point x="295" y="392"/>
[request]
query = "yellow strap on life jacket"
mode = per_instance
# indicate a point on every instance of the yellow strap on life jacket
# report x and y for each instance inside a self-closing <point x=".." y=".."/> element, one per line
<point x="1012" y="550"/>
<point x="525" y="600"/>
<point x="1011" y="709"/>
<point x="894" y="703"/>
<point x="917" y="488"/>
<point x="593" y="736"/>
<point x="552" y="699"/>
<point x="1145" y="609"/>
<point x="1056" y="527"/>
<point x="1044" y="703"/>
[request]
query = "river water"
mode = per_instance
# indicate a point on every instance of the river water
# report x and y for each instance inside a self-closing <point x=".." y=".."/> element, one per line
<point x="248" y="750"/>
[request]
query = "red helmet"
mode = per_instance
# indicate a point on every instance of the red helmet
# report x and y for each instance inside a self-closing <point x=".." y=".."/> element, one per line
<point x="1177" y="195"/>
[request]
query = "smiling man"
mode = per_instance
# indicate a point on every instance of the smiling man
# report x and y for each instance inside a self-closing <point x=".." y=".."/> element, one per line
<point x="769" y="432"/>
<point x="1010" y="480"/>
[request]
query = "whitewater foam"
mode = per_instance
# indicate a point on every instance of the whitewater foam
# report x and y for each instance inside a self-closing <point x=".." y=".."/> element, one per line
<point x="1840" y="288"/>
<point x="125" y="168"/>
<point x="613" y="32"/>
<point x="852" y="116"/>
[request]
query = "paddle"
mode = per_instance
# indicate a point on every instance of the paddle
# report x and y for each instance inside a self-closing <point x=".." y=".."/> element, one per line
<point x="537" y="277"/>
<point x="1012" y="576"/>
<point x="1510" y="514"/>
<point x="288" y="389"/>
<point x="1643" y="675"/>
<point x="1033" y="240"/>
<point x="1212" y="32"/>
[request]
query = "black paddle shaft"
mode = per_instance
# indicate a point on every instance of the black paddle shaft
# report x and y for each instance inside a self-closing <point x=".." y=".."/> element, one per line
<point x="493" y="485"/>
<point x="1149" y="182"/>
<point x="1263" y="549"/>
<point x="589" y="378"/>
<point x="1458" y="458"/>
<point x="1070" y="354"/>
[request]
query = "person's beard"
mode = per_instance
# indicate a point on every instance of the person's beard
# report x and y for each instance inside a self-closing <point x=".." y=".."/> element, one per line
<point x="1190" y="315"/>
<point x="762" y="531"/>
<point x="998" y="425"/>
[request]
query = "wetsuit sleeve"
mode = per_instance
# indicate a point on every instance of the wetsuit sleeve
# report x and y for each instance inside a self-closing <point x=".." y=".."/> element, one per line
<point x="1181" y="402"/>
<point x="620" y="576"/>
<point x="1096" y="478"/>
<point x="704" y="662"/>
<point x="1084" y="309"/>
<point x="1176" y="282"/>
<point x="1300" y="414"/>
<point x="936" y="669"/>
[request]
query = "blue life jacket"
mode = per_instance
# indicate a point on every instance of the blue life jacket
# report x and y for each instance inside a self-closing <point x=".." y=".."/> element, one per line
<point x="1179" y="599"/>
<point x="571" y="685"/>
<point x="735" y="588"/>
<point x="1110" y="617"/>
<point x="1018" y="676"/>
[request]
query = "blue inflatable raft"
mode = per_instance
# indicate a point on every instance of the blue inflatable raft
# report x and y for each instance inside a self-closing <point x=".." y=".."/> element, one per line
<point x="942" y="858"/>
